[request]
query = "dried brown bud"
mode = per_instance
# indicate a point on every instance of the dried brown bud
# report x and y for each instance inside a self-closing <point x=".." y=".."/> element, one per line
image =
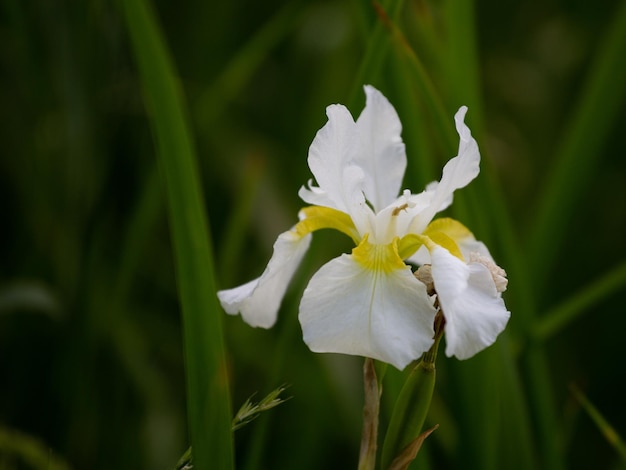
<point x="425" y="274"/>
<point x="497" y="273"/>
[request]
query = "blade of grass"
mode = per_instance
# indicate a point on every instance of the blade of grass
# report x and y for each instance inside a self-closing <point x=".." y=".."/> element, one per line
<point x="423" y="82"/>
<point x="603" y="425"/>
<point x="462" y="60"/>
<point x="245" y="62"/>
<point x="233" y="240"/>
<point x="463" y="67"/>
<point x="375" y="51"/>
<point x="410" y="108"/>
<point x="208" y="406"/>
<point x="15" y="446"/>
<point x="602" y="97"/>
<point x="580" y="303"/>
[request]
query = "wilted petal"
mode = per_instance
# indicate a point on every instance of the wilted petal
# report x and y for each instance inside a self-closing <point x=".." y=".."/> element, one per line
<point x="474" y="310"/>
<point x="258" y="301"/>
<point x="382" y="154"/>
<point x="349" y="309"/>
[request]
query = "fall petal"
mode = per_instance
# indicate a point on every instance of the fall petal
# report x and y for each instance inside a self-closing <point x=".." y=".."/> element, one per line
<point x="474" y="310"/>
<point x="258" y="301"/>
<point x="349" y="309"/>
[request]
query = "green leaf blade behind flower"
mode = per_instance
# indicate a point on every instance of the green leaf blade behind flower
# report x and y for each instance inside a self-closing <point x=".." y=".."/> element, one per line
<point x="209" y="415"/>
<point x="586" y="133"/>
<point x="409" y="412"/>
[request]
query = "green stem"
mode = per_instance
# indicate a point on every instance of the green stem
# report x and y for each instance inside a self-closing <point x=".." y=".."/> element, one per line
<point x="371" y="408"/>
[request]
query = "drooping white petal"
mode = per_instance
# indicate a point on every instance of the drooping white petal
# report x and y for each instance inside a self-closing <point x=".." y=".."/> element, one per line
<point x="475" y="251"/>
<point x="457" y="173"/>
<point x="474" y="311"/>
<point x="349" y="309"/>
<point x="258" y="301"/>
<point x="382" y="154"/>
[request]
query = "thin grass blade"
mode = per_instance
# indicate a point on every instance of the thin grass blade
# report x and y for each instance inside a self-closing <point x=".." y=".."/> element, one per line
<point x="208" y="405"/>
<point x="603" y="425"/>
<point x="601" y="99"/>
<point x="580" y="303"/>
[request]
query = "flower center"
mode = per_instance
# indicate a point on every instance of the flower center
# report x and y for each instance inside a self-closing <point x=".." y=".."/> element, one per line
<point x="378" y="257"/>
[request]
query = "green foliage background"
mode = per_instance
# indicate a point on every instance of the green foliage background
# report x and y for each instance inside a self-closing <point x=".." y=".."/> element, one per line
<point x="92" y="347"/>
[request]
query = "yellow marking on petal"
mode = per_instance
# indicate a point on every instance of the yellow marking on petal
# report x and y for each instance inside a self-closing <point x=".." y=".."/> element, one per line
<point x="450" y="227"/>
<point x="382" y="258"/>
<point x="318" y="217"/>
<point x="444" y="232"/>
<point x="443" y="240"/>
<point x="409" y="244"/>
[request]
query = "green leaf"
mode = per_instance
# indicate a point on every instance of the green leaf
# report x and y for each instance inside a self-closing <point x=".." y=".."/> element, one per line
<point x="592" y="119"/>
<point x="19" y="448"/>
<point x="412" y="405"/>
<point x="580" y="303"/>
<point x="409" y="412"/>
<point x="607" y="430"/>
<point x="208" y="399"/>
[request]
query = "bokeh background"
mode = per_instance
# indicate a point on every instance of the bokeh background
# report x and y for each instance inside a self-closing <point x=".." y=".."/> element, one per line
<point x="91" y="352"/>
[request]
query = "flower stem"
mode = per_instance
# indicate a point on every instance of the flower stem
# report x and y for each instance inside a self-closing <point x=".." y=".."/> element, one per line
<point x="371" y="407"/>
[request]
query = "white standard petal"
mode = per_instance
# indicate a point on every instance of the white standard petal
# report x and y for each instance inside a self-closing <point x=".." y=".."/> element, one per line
<point x="382" y="154"/>
<point x="332" y="162"/>
<point x="397" y="219"/>
<point x="349" y="309"/>
<point x="475" y="312"/>
<point x="331" y="151"/>
<point x="259" y="300"/>
<point x="457" y="173"/>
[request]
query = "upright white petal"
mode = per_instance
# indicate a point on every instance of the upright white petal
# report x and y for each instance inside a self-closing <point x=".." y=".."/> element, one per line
<point x="382" y="154"/>
<point x="474" y="311"/>
<point x="259" y="300"/>
<point x="349" y="309"/>
<point x="396" y="219"/>
<point x="457" y="173"/>
<point x="332" y="162"/>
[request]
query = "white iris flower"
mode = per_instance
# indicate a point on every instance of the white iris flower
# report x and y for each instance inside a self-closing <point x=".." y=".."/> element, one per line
<point x="370" y="303"/>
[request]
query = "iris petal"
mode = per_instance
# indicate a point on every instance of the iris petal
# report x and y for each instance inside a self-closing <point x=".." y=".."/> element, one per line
<point x="332" y="160"/>
<point x="350" y="309"/>
<point x="474" y="310"/>
<point x="259" y="300"/>
<point x="382" y="154"/>
<point x="457" y="173"/>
